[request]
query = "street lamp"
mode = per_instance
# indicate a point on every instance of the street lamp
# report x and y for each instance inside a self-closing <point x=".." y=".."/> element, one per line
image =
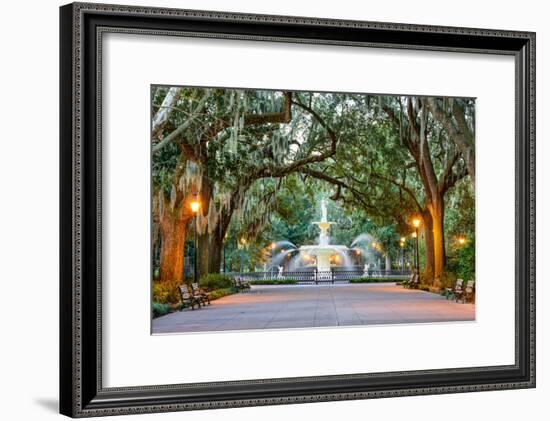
<point x="416" y="224"/>
<point x="242" y="245"/>
<point x="195" y="206"/>
<point x="461" y="241"/>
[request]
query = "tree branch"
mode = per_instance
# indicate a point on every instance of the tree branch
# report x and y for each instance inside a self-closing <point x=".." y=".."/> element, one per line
<point x="251" y="119"/>
<point x="322" y="122"/>
<point x="460" y="134"/>
<point x="181" y="128"/>
<point x="358" y="196"/>
<point x="447" y="172"/>
<point x="165" y="111"/>
<point x="402" y="187"/>
<point x="453" y="178"/>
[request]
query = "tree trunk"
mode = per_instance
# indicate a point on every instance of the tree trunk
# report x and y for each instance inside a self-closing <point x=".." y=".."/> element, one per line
<point x="388" y="262"/>
<point x="156" y="236"/>
<point x="210" y="251"/>
<point x="215" y="252"/>
<point x="215" y="248"/>
<point x="172" y="229"/>
<point x="436" y="212"/>
<point x="210" y="245"/>
<point x="203" y="253"/>
<point x="429" y="246"/>
<point x="156" y="246"/>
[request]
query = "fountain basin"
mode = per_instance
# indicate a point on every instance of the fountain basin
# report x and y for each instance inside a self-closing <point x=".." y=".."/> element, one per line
<point x="323" y="255"/>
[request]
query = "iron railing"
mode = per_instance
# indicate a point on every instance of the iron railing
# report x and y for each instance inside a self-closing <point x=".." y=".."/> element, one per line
<point x="335" y="275"/>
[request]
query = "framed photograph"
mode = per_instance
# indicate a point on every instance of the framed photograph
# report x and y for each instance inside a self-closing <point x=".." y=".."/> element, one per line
<point x="261" y="210"/>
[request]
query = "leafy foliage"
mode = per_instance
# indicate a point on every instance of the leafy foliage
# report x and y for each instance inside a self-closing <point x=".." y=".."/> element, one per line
<point x="166" y="292"/>
<point x="461" y="261"/>
<point x="160" y="309"/>
<point x="213" y="281"/>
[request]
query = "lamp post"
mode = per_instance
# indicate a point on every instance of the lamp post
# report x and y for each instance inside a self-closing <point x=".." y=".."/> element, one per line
<point x="416" y="224"/>
<point x="374" y="246"/>
<point x="224" y="255"/>
<point x="413" y="235"/>
<point x="242" y="246"/>
<point x="402" y="244"/>
<point x="195" y="205"/>
<point x="272" y="248"/>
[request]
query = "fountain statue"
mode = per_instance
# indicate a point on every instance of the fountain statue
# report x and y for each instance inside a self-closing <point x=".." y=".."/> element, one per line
<point x="325" y="254"/>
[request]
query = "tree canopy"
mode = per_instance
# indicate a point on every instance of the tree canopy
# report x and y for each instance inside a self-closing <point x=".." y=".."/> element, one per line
<point x="259" y="161"/>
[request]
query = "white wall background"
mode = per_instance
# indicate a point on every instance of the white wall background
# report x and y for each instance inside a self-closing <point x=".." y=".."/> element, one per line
<point x="29" y="211"/>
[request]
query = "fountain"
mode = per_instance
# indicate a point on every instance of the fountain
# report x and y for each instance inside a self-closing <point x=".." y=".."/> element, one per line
<point x="324" y="255"/>
<point x="325" y="261"/>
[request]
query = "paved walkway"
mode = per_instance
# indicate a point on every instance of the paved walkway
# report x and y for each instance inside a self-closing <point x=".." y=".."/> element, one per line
<point x="276" y="307"/>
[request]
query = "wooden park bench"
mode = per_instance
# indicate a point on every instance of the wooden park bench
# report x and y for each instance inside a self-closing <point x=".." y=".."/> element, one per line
<point x="200" y="293"/>
<point x="188" y="299"/>
<point x="241" y="284"/>
<point x="414" y="282"/>
<point x="458" y="291"/>
<point x="407" y="282"/>
<point x="452" y="293"/>
<point x="469" y="292"/>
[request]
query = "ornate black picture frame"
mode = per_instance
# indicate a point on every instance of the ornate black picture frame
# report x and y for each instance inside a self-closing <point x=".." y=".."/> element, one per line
<point x="81" y="390"/>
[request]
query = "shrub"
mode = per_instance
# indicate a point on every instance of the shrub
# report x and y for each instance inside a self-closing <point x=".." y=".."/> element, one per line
<point x="213" y="281"/>
<point x="177" y="307"/>
<point x="160" y="309"/>
<point x="274" y="282"/>
<point x="461" y="262"/>
<point x="447" y="280"/>
<point x="166" y="292"/>
<point x="219" y="293"/>
<point x="374" y="280"/>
